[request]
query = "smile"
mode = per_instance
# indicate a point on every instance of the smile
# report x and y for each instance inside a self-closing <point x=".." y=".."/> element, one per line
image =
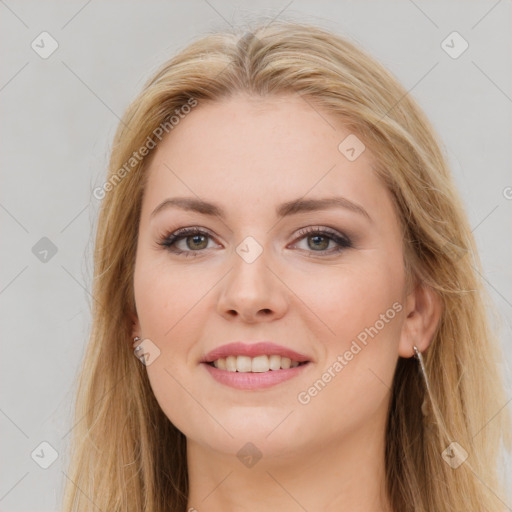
<point x="258" y="364"/>
<point x="254" y="365"/>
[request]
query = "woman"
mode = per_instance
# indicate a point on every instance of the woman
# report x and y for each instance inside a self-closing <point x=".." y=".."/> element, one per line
<point x="281" y="241"/>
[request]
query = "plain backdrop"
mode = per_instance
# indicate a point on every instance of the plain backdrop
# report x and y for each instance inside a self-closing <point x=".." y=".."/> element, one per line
<point x="58" y="116"/>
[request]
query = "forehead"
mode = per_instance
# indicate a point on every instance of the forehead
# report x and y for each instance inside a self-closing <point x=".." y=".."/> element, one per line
<point x="245" y="151"/>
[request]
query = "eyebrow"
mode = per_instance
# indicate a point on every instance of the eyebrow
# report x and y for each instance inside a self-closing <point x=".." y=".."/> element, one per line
<point x="293" y="207"/>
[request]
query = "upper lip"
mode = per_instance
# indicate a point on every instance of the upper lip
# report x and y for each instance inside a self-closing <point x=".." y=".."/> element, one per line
<point x="239" y="348"/>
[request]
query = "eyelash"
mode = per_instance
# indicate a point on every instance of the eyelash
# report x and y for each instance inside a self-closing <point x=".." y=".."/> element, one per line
<point x="169" y="240"/>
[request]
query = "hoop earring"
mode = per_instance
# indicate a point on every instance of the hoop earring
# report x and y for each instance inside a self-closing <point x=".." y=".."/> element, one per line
<point x="424" y="405"/>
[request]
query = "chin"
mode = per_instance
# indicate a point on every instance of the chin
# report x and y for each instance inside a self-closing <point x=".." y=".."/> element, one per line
<point x="251" y="430"/>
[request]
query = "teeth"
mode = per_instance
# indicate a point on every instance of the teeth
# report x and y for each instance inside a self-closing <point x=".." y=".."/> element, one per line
<point x="258" y="364"/>
<point x="231" y="364"/>
<point x="243" y="364"/>
<point x="275" y="362"/>
<point x="220" y="363"/>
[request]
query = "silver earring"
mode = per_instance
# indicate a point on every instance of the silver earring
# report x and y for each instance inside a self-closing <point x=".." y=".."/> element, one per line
<point x="424" y="405"/>
<point x="138" y="347"/>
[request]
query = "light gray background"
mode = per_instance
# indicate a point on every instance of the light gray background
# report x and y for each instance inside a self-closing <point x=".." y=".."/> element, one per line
<point x="58" y="118"/>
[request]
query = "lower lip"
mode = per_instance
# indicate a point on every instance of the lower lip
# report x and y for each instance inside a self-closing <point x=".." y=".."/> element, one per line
<point x="249" y="380"/>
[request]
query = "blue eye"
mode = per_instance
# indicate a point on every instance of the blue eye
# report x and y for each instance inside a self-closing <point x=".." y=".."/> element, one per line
<point x="196" y="241"/>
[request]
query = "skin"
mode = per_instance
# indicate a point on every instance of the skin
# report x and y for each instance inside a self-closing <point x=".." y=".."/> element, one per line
<point x="249" y="155"/>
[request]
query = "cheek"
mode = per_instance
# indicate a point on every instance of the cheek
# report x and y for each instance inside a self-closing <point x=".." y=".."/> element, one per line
<point x="165" y="295"/>
<point x="167" y="301"/>
<point x="362" y="306"/>
<point x="346" y="300"/>
<point x="153" y="292"/>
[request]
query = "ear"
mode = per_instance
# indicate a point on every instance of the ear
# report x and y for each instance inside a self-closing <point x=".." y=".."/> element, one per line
<point x="423" y="309"/>
<point x="135" y="325"/>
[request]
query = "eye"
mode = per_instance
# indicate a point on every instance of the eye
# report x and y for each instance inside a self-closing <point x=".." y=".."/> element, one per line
<point x="190" y="241"/>
<point x="319" y="239"/>
<point x="193" y="241"/>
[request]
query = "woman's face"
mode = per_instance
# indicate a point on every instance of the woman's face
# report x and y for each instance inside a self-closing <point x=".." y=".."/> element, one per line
<point x="276" y="263"/>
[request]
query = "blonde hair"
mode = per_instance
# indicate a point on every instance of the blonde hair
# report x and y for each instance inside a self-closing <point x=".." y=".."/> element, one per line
<point x="127" y="456"/>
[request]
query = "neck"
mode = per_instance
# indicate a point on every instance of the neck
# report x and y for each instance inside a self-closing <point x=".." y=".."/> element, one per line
<point x="342" y="474"/>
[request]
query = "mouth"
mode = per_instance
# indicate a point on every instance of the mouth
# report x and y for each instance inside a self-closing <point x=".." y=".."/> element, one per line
<point x="254" y="365"/>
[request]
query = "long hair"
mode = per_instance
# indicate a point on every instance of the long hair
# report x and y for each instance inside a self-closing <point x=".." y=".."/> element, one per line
<point x="126" y="456"/>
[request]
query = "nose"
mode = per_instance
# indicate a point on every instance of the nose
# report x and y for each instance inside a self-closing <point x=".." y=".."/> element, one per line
<point x="252" y="292"/>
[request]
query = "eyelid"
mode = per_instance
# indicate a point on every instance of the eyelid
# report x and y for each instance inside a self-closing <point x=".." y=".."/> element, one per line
<point x="169" y="238"/>
<point x="342" y="241"/>
<point x="308" y="230"/>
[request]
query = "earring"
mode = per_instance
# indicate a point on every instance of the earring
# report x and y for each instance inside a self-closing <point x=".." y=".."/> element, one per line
<point x="424" y="405"/>
<point x="136" y="348"/>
